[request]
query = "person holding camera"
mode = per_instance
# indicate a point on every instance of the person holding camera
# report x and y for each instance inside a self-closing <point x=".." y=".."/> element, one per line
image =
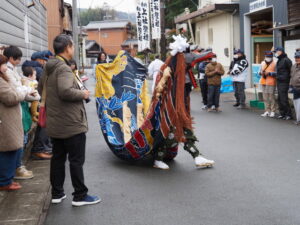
<point x="66" y="122"/>
<point x="268" y="83"/>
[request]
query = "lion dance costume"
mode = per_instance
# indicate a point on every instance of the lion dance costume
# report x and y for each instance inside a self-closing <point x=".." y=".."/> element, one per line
<point x="135" y="127"/>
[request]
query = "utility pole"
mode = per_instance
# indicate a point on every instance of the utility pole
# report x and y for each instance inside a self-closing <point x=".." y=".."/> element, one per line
<point x="163" y="47"/>
<point x="75" y="30"/>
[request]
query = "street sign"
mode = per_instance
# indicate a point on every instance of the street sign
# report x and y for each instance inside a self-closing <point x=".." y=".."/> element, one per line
<point x="257" y="5"/>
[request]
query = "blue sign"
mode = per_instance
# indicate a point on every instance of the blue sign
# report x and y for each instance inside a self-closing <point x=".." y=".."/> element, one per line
<point x="255" y="73"/>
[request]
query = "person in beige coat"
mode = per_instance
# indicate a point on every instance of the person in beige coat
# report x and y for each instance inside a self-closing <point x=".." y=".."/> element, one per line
<point x="14" y="55"/>
<point x="11" y="128"/>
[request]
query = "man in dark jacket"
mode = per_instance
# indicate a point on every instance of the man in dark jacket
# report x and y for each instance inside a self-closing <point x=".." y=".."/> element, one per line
<point x="283" y="76"/>
<point x="66" y="122"/>
<point x="203" y="81"/>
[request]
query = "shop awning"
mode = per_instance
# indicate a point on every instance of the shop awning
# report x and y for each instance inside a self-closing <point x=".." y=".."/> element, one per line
<point x="287" y="26"/>
<point x="229" y="7"/>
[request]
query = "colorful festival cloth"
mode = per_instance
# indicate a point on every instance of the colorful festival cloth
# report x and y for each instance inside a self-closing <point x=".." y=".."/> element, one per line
<point x="132" y="125"/>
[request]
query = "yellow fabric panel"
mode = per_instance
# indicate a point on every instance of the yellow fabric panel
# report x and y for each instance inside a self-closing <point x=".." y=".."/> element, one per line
<point x="145" y="97"/>
<point x="106" y="72"/>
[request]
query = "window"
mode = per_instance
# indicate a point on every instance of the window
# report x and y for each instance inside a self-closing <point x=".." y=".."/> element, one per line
<point x="104" y="35"/>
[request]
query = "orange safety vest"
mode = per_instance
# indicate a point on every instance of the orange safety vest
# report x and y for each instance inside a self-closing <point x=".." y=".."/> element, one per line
<point x="269" y="80"/>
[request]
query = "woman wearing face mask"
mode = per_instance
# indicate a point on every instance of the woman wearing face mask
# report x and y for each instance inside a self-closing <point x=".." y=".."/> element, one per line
<point x="268" y="82"/>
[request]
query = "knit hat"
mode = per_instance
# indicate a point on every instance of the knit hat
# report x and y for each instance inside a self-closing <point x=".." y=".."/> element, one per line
<point x="297" y="54"/>
<point x="268" y="54"/>
<point x="39" y="55"/>
<point x="281" y="49"/>
<point x="238" y="51"/>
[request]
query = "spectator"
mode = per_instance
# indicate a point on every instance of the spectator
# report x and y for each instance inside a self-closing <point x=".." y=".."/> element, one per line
<point x="42" y="147"/>
<point x="14" y="55"/>
<point x="38" y="60"/>
<point x="295" y="83"/>
<point x="283" y="75"/>
<point x="214" y="71"/>
<point x="11" y="129"/>
<point x="48" y="54"/>
<point x="102" y="58"/>
<point x="66" y="122"/>
<point x="268" y="83"/>
<point x="73" y="66"/>
<point x="154" y="69"/>
<point x="203" y="81"/>
<point x="239" y="70"/>
<point x="189" y="78"/>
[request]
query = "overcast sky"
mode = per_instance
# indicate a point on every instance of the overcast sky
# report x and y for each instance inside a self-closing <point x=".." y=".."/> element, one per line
<point x="120" y="5"/>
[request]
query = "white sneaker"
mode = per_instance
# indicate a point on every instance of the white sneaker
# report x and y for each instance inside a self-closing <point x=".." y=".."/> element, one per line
<point x="213" y="107"/>
<point x="202" y="162"/>
<point x="58" y="200"/>
<point x="272" y="115"/>
<point x="160" y="165"/>
<point x="265" y="114"/>
<point x="204" y="107"/>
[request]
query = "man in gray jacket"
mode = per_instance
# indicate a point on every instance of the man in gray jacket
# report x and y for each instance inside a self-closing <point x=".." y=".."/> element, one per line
<point x="295" y="84"/>
<point x="66" y="122"/>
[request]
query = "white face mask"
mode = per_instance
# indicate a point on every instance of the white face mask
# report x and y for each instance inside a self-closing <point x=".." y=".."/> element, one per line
<point x="268" y="59"/>
<point x="236" y="56"/>
<point x="214" y="59"/>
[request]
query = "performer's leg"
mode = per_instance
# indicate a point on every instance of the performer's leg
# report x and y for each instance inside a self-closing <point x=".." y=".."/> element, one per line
<point x="159" y="155"/>
<point x="191" y="148"/>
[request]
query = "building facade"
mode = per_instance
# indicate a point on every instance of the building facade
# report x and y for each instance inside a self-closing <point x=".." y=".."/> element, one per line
<point x="59" y="19"/>
<point x="258" y="18"/>
<point x="23" y="27"/>
<point x="215" y="25"/>
<point x="110" y="35"/>
<point x="291" y="31"/>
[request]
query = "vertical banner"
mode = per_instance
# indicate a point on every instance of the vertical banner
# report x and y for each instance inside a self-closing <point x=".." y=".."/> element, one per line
<point x="143" y="25"/>
<point x="155" y="19"/>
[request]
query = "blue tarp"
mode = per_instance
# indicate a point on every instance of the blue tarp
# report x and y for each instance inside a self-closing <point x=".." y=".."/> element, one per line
<point x="227" y="85"/>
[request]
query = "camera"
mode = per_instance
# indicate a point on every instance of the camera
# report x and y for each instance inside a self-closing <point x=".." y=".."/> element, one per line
<point x="84" y="88"/>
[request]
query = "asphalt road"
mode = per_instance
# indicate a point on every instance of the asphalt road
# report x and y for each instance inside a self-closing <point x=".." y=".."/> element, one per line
<point x="255" y="180"/>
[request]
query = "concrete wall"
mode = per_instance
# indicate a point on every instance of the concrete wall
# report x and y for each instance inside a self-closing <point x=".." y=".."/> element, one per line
<point x="12" y="26"/>
<point x="219" y="32"/>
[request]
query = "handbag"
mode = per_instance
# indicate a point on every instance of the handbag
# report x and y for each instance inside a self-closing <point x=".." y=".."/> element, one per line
<point x="42" y="113"/>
